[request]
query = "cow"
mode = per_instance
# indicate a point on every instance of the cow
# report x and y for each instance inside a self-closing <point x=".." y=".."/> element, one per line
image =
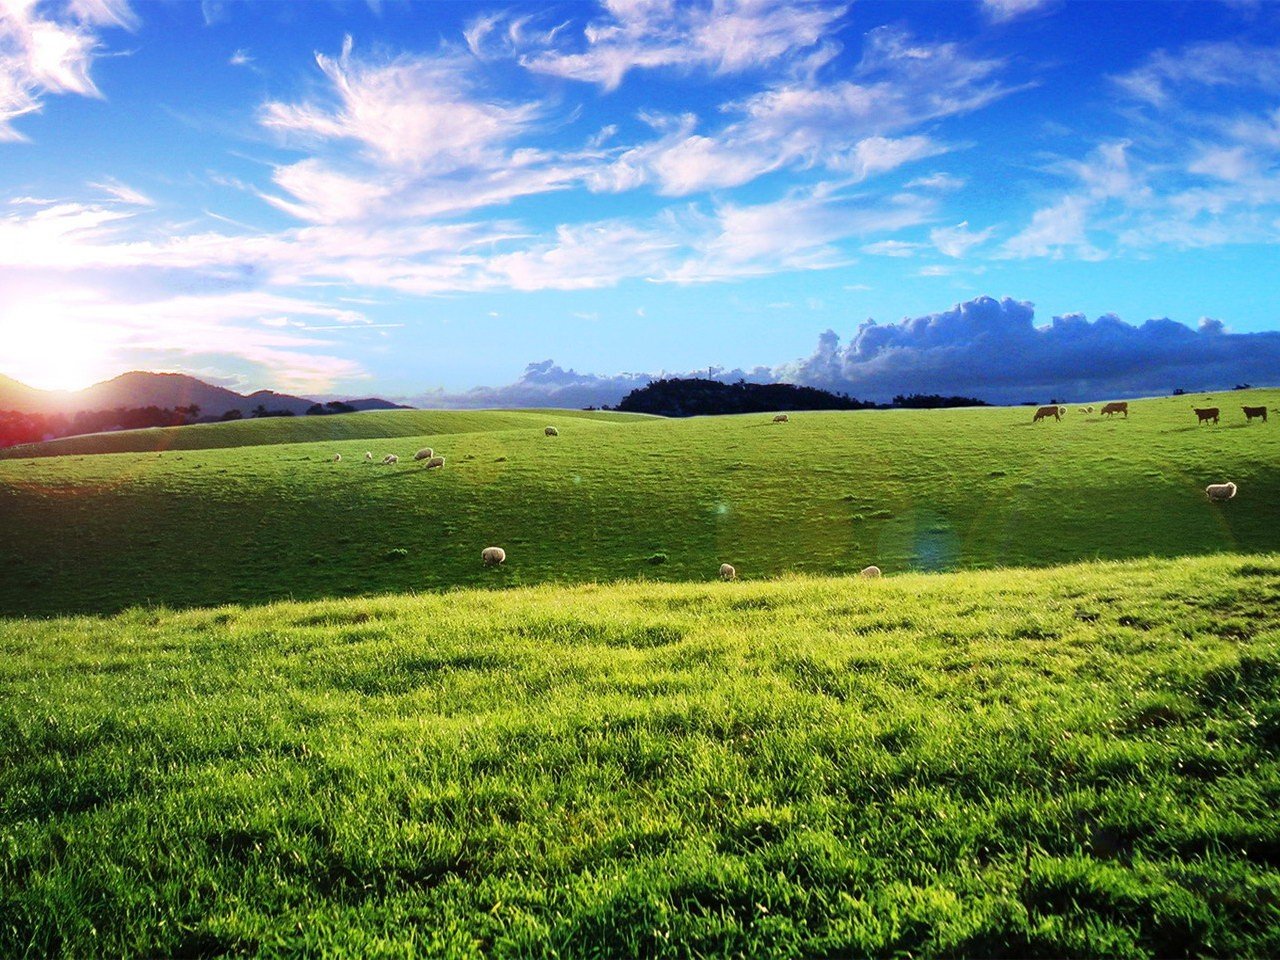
<point x="1114" y="408"/>
<point x="1251" y="412"/>
<point x="1055" y="412"/>
<point x="1206" y="414"/>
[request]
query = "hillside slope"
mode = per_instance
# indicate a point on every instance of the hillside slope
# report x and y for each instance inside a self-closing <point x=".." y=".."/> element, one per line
<point x="1075" y="762"/>
<point x="276" y="430"/>
<point x="825" y="493"/>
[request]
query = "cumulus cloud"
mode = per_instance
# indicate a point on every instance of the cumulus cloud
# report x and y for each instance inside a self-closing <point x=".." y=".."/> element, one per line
<point x="994" y="350"/>
<point x="49" y="48"/>
<point x="986" y="348"/>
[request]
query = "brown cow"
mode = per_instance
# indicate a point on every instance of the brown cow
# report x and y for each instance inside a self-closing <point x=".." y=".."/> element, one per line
<point x="1055" y="412"/>
<point x="1206" y="414"/>
<point x="1114" y="408"/>
<point x="1251" y="412"/>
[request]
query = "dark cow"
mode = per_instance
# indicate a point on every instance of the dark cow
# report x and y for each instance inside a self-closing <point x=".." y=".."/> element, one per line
<point x="1055" y="412"/>
<point x="1251" y="412"/>
<point x="1113" y="408"/>
<point x="1206" y="414"/>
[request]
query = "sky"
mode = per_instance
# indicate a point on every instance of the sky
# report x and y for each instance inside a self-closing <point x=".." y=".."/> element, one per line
<point x="477" y="203"/>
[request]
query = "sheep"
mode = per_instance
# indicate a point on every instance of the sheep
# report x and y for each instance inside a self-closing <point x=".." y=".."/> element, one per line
<point x="426" y="453"/>
<point x="781" y="418"/>
<point x="368" y="455"/>
<point x="1088" y="409"/>
<point x="870" y="573"/>
<point x="435" y="462"/>
<point x="492" y="556"/>
<point x="1205" y="414"/>
<point x="1111" y="409"/>
<point x="551" y="432"/>
<point x="1217" y="492"/>
<point x="1043" y="412"/>
<point x="727" y="572"/>
<point x="1251" y="412"/>
<point x="337" y="458"/>
<point x="390" y="458"/>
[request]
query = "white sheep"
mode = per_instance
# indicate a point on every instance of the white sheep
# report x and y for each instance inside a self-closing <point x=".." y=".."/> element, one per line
<point x="368" y="454"/>
<point x="492" y="556"/>
<point x="435" y="462"/>
<point x="390" y="458"/>
<point x="1218" y="492"/>
<point x="426" y="453"/>
<point x="551" y="432"/>
<point x="781" y="418"/>
<point x="870" y="573"/>
<point x="337" y="458"/>
<point x="727" y="572"/>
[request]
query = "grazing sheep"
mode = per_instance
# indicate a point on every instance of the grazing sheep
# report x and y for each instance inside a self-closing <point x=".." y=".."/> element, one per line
<point x="727" y="572"/>
<point x="426" y="453"/>
<point x="1081" y="410"/>
<point x="1043" y="412"/>
<point x="1205" y="414"/>
<point x="435" y="462"/>
<point x="492" y="556"/>
<point x="1218" y="492"/>
<point x="551" y="432"/>
<point x="390" y="458"/>
<point x="1113" y="408"/>
<point x="1251" y="412"/>
<point x="870" y="573"/>
<point x="781" y="418"/>
<point x="337" y="458"/>
<point x="1088" y="409"/>
<point x="368" y="454"/>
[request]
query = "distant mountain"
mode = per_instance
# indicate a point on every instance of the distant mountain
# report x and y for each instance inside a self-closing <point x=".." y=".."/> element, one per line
<point x="367" y="403"/>
<point x="165" y="390"/>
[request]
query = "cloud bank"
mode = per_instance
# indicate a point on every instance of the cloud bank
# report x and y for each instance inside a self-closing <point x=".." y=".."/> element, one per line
<point x="986" y="348"/>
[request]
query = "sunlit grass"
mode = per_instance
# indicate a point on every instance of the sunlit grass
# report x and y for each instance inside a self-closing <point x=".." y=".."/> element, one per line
<point x="1065" y="762"/>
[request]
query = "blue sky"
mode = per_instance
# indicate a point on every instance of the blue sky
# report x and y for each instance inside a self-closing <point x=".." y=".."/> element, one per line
<point x="414" y="199"/>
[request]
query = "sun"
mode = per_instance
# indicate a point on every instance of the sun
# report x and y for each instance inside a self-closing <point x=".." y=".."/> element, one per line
<point x="52" y="352"/>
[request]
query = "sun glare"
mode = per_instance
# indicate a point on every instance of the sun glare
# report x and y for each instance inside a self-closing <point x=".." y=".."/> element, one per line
<point x="52" y="353"/>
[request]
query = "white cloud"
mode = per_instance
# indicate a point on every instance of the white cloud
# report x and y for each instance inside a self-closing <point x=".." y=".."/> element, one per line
<point x="1056" y="231"/>
<point x="725" y="37"/>
<point x="852" y="126"/>
<point x="49" y="48"/>
<point x="413" y="113"/>
<point x="123" y="193"/>
<point x="1002" y="10"/>
<point x="957" y="241"/>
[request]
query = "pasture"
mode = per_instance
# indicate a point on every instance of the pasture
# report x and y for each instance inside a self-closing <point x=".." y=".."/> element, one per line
<point x="1077" y="761"/>
<point x="619" y="498"/>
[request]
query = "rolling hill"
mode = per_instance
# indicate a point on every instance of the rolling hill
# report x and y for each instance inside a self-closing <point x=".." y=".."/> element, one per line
<point x="270" y="431"/>
<point x="625" y="498"/>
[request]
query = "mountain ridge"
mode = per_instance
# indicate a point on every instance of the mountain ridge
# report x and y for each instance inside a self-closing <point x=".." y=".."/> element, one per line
<point x="142" y="388"/>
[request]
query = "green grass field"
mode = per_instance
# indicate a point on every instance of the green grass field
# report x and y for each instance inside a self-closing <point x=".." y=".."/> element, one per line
<point x="257" y="702"/>
<point x="1068" y="762"/>
<point x="623" y="498"/>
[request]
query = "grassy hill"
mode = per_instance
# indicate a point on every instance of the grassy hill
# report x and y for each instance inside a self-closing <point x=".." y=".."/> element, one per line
<point x="620" y="499"/>
<point x="267" y="431"/>
<point x="1079" y="762"/>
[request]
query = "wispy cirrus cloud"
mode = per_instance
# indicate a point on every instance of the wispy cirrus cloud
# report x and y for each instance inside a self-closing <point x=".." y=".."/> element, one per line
<point x="48" y="48"/>
<point x="724" y="37"/>
<point x="857" y="126"/>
